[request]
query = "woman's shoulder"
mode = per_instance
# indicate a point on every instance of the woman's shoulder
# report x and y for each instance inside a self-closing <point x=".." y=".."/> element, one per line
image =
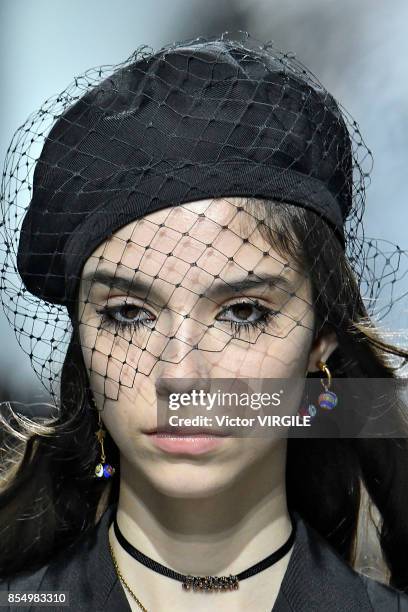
<point x="320" y="577"/>
<point x="18" y="590"/>
<point x="25" y="581"/>
<point x="74" y="572"/>
<point x="382" y="597"/>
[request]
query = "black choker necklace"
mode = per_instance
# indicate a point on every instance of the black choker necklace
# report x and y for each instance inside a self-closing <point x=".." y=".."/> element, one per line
<point x="206" y="583"/>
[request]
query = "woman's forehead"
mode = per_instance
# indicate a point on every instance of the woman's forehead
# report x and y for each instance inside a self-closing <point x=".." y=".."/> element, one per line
<point x="216" y="235"/>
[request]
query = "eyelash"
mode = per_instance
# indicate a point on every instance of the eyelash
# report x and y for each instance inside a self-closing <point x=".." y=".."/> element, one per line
<point x="108" y="317"/>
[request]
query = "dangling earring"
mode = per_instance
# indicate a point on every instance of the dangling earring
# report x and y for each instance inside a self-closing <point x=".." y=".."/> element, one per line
<point x="102" y="470"/>
<point x="328" y="399"/>
<point x="307" y="408"/>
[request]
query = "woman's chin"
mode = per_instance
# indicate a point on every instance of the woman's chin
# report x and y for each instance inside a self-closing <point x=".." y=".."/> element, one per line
<point x="189" y="481"/>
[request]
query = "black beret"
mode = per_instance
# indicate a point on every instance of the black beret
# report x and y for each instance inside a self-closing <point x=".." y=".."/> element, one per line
<point x="203" y="120"/>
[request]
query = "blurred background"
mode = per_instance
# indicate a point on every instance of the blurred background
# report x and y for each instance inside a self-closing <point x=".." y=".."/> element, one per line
<point x="357" y="49"/>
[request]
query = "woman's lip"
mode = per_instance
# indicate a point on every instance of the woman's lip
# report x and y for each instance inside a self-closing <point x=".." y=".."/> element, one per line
<point x="190" y="432"/>
<point x="186" y="443"/>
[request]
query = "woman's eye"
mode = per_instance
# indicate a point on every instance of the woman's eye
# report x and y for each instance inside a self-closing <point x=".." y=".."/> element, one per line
<point x="127" y="315"/>
<point x="241" y="316"/>
<point x="244" y="315"/>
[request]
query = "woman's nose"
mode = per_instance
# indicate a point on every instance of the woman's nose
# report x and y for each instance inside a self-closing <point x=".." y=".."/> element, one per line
<point x="191" y="372"/>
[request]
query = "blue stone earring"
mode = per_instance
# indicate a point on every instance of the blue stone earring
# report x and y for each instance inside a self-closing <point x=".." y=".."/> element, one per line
<point x="328" y="399"/>
<point x="103" y="469"/>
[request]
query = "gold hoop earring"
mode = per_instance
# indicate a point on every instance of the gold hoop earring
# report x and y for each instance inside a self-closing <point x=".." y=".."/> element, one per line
<point x="328" y="399"/>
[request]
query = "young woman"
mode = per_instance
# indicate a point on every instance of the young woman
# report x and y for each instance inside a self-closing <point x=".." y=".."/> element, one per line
<point x="195" y="213"/>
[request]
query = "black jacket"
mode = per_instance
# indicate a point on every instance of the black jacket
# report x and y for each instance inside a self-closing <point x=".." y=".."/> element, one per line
<point x="316" y="579"/>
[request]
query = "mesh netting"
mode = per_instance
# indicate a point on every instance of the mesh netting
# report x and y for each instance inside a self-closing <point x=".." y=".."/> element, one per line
<point x="137" y="204"/>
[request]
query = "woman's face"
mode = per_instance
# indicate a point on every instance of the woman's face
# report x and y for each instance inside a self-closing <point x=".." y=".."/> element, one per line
<point x="164" y="299"/>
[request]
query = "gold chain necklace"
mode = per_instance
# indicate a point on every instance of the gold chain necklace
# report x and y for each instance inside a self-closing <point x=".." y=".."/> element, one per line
<point x="125" y="584"/>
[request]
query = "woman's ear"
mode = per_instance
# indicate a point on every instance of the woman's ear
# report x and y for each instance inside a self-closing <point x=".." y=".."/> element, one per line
<point x="323" y="346"/>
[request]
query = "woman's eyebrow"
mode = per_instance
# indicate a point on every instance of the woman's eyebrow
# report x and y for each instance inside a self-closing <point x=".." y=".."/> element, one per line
<point x="219" y="287"/>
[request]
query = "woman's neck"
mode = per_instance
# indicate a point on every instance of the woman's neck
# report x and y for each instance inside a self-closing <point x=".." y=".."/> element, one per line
<point x="222" y="533"/>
